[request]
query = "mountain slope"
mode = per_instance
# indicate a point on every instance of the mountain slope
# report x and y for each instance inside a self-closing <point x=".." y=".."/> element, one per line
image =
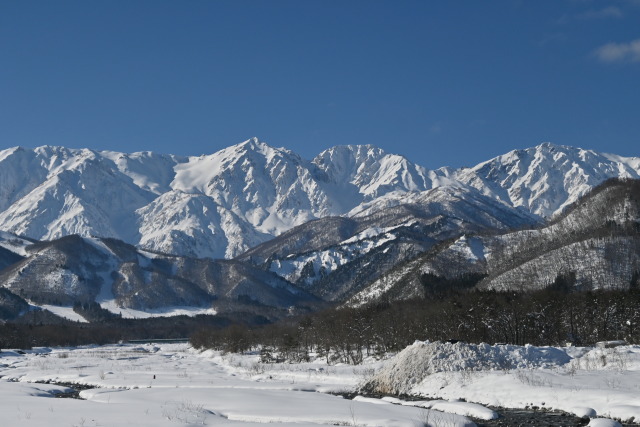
<point x="595" y="244"/>
<point x="209" y="206"/>
<point x="360" y="173"/>
<point x="335" y="257"/>
<point x="546" y="179"/>
<point x="76" y="270"/>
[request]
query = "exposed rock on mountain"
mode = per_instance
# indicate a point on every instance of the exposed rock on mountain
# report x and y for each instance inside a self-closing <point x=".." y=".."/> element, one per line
<point x="546" y="179"/>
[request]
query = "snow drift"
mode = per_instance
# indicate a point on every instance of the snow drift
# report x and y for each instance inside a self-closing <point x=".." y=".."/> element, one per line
<point x="416" y="362"/>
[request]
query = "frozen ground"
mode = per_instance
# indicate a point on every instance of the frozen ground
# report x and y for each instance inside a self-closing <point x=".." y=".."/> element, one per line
<point x="172" y="384"/>
<point x="189" y="388"/>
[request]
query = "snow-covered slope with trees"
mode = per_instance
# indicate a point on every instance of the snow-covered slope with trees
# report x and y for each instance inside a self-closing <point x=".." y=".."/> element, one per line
<point x="77" y="270"/>
<point x="594" y="244"/>
<point x="334" y="258"/>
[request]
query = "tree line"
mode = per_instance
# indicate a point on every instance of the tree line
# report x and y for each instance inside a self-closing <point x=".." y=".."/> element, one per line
<point x="556" y="315"/>
<point x="43" y="329"/>
<point x="451" y="310"/>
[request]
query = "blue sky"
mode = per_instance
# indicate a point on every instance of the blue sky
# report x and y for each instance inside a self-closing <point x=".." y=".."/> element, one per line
<point x="441" y="82"/>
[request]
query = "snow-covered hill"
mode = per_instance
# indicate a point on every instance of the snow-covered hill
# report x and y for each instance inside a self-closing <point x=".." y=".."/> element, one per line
<point x="223" y="204"/>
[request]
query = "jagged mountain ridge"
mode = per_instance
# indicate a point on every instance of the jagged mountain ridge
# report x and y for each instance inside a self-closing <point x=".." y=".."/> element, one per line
<point x="344" y="220"/>
<point x="209" y="206"/>
<point x="223" y="204"/>
<point x="545" y="179"/>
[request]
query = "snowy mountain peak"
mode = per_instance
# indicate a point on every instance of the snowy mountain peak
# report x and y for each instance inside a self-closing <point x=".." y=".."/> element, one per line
<point x="345" y="156"/>
<point x="372" y="171"/>
<point x="254" y="147"/>
<point x="547" y="178"/>
<point x="251" y="144"/>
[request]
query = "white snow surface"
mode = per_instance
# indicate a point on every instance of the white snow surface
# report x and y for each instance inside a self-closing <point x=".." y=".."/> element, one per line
<point x="127" y="313"/>
<point x="603" y="422"/>
<point x="470" y="248"/>
<point x="458" y="407"/>
<point x="221" y="204"/>
<point x="171" y="384"/>
<point x="14" y="243"/>
<point x="462" y="408"/>
<point x="130" y="313"/>
<point x="584" y="381"/>
<point x="64" y="312"/>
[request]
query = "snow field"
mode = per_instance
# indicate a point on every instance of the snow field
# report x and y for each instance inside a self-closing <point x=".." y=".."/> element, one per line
<point x="172" y="384"/>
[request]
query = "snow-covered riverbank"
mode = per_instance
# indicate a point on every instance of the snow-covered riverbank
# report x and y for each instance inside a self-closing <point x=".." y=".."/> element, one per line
<point x="173" y="384"/>
<point x="168" y="385"/>
<point x="587" y="382"/>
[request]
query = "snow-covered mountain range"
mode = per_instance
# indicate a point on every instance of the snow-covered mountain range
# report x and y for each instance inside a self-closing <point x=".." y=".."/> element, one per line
<point x="136" y="231"/>
<point x="221" y="205"/>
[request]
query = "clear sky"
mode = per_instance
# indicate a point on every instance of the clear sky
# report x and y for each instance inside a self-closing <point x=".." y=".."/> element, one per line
<point x="441" y="82"/>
